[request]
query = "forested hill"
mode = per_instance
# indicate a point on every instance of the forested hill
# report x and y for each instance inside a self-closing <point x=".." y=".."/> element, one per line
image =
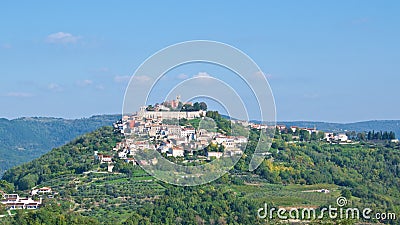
<point x="366" y="173"/>
<point x="24" y="139"/>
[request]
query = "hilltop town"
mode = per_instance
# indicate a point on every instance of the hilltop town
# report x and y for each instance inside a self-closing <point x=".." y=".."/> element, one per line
<point x="175" y="129"/>
<point x="185" y="131"/>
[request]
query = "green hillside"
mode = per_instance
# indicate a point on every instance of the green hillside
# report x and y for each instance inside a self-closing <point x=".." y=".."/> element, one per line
<point x="24" y="139"/>
<point x="366" y="173"/>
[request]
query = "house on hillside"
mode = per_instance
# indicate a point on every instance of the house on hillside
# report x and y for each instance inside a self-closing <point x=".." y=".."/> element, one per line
<point x="294" y="128"/>
<point x="131" y="160"/>
<point x="229" y="143"/>
<point x="41" y="191"/>
<point x="177" y="151"/>
<point x="13" y="201"/>
<point x="329" y="136"/>
<point x="281" y="127"/>
<point x="240" y="139"/>
<point x="122" y="154"/>
<point x="104" y="158"/>
<point x="214" y="154"/>
<point x="341" y="137"/>
<point x="188" y="132"/>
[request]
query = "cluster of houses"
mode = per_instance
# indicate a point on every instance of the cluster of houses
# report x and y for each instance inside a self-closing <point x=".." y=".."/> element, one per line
<point x="328" y="136"/>
<point x="146" y="130"/>
<point x="14" y="201"/>
<point x="172" y="140"/>
<point x="296" y="129"/>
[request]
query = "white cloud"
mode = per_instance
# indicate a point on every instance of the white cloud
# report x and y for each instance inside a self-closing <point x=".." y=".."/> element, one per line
<point x="54" y="87"/>
<point x="84" y="83"/>
<point x="19" y="94"/>
<point x="202" y="75"/>
<point x="62" y="38"/>
<point x="122" y="79"/>
<point x="142" y="78"/>
<point x="182" y="76"/>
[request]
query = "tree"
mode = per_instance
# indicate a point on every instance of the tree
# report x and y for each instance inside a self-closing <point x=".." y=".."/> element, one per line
<point x="196" y="106"/>
<point x="361" y="136"/>
<point x="369" y="136"/>
<point x="6" y="187"/>
<point x="392" y="135"/>
<point x="27" y="182"/>
<point x="150" y="108"/>
<point x="203" y="106"/>
<point x="346" y="193"/>
<point x="2" y="209"/>
<point x="305" y="135"/>
<point x="314" y="136"/>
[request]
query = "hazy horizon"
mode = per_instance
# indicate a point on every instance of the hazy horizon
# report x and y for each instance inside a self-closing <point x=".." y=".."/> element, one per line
<point x="106" y="114"/>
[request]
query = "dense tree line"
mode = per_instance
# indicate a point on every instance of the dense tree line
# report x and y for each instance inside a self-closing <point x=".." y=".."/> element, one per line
<point x="381" y="135"/>
<point x="24" y="139"/>
<point x="182" y="107"/>
<point x="75" y="157"/>
<point x="197" y="205"/>
<point x="372" y="135"/>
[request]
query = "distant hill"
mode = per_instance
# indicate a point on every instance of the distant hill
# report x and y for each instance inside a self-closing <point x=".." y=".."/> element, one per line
<point x="27" y="138"/>
<point x="377" y="125"/>
<point x="24" y="139"/>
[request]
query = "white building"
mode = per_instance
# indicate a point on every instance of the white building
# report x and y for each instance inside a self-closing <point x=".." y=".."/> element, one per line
<point x="341" y="137"/>
<point x="214" y="154"/>
<point x="173" y="130"/>
<point x="141" y="145"/>
<point x="104" y="158"/>
<point x="240" y="139"/>
<point x="122" y="154"/>
<point x="41" y="191"/>
<point x="293" y="128"/>
<point x="13" y="201"/>
<point x="188" y="132"/>
<point x="229" y="143"/>
<point x="220" y="139"/>
<point x="329" y="136"/>
<point x="169" y="114"/>
<point x="177" y="152"/>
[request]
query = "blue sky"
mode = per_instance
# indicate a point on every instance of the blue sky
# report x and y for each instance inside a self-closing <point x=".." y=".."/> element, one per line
<point x="333" y="61"/>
